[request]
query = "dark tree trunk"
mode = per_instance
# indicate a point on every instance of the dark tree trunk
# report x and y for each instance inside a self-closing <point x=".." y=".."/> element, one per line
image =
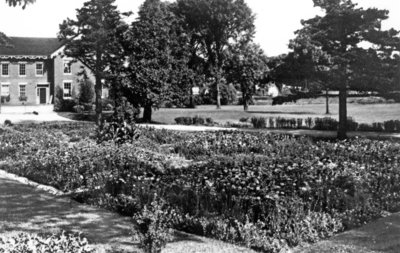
<point x="245" y="105"/>
<point x="327" y="101"/>
<point x="99" y="106"/>
<point x="147" y="113"/>
<point x="217" y="80"/>
<point x="191" y="99"/>
<point x="245" y="102"/>
<point x="342" y="113"/>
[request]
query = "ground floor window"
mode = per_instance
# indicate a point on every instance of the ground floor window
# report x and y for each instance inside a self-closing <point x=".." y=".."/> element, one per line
<point x="67" y="90"/>
<point x="5" y="90"/>
<point x="22" y="92"/>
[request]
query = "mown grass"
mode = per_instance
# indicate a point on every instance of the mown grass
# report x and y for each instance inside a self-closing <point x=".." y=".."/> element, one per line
<point x="232" y="113"/>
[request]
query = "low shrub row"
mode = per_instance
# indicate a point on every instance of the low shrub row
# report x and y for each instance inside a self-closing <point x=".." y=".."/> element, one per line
<point x="326" y="123"/>
<point x="197" y="120"/>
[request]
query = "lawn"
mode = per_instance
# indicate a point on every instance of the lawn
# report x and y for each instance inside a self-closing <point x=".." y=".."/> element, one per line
<point x="232" y="113"/>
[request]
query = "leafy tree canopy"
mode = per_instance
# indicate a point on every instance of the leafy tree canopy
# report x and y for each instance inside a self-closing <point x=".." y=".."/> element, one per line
<point x="246" y="67"/>
<point x="215" y="26"/>
<point x="157" y="45"/>
<point x="95" y="39"/>
<point x="335" y="40"/>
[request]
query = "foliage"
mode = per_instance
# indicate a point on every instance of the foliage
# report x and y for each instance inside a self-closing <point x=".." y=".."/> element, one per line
<point x="61" y="104"/>
<point x="157" y="55"/>
<point x="26" y="243"/>
<point x="197" y="120"/>
<point x="118" y="132"/>
<point x="7" y="122"/>
<point x="259" y="122"/>
<point x="268" y="192"/>
<point x="86" y="90"/>
<point x="247" y="68"/>
<point x="153" y="226"/>
<point x="215" y="26"/>
<point x="94" y="39"/>
<point x="332" y="43"/>
<point x="227" y="94"/>
<point x="24" y="3"/>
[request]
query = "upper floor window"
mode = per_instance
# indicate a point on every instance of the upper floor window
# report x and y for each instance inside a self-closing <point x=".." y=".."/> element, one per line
<point x="39" y="69"/>
<point x="67" y="90"/>
<point x="22" y="69"/>
<point x="5" y="90"/>
<point x="4" y="69"/>
<point x="67" y="67"/>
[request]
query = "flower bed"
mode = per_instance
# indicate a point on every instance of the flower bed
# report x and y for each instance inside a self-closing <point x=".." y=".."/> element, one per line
<point x="267" y="192"/>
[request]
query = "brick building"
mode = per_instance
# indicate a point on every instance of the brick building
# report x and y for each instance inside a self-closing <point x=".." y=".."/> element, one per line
<point x="32" y="70"/>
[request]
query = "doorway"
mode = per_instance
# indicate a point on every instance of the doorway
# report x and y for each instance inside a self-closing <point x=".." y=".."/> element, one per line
<point x="42" y="96"/>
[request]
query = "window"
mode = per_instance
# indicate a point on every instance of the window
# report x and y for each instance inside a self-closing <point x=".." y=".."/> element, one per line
<point x="4" y="69"/>
<point x="67" y="67"/>
<point x="39" y="69"/>
<point x="22" y="69"/>
<point x="5" y="90"/>
<point x="22" y="92"/>
<point x="67" y="89"/>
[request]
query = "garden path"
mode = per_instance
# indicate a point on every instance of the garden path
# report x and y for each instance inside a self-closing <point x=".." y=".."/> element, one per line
<point x="28" y="207"/>
<point x="380" y="236"/>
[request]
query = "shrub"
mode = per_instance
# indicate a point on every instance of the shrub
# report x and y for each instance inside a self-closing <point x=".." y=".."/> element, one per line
<point x="26" y="243"/>
<point x="184" y="121"/>
<point x="8" y="122"/>
<point x="244" y="119"/>
<point x="197" y="120"/>
<point x="352" y="125"/>
<point x="152" y="227"/>
<point x="309" y="122"/>
<point x="86" y="90"/>
<point x="259" y="122"/>
<point x="392" y="126"/>
<point x="326" y="123"/>
<point x="117" y="132"/>
<point x="378" y="127"/>
<point x="365" y="127"/>
<point x="299" y="123"/>
<point x="209" y="121"/>
<point x="78" y="108"/>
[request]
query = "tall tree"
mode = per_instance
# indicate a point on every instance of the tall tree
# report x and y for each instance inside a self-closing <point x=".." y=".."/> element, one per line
<point x="94" y="39"/>
<point x="247" y="66"/>
<point x="157" y="46"/>
<point x="215" y="26"/>
<point x="338" y="35"/>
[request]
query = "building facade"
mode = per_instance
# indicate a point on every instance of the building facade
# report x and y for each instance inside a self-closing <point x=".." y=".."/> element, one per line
<point x="33" y="70"/>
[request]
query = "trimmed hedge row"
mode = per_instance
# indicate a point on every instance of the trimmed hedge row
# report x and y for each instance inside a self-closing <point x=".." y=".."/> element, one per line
<point x="326" y="123"/>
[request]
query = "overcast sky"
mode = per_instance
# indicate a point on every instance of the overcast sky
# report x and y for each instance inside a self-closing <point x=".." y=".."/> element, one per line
<point x="275" y="23"/>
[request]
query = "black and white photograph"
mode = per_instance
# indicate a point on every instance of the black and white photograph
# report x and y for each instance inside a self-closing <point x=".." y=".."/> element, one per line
<point x="199" y="126"/>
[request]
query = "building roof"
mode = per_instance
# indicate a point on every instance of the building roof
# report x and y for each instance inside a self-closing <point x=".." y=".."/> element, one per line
<point x="25" y="46"/>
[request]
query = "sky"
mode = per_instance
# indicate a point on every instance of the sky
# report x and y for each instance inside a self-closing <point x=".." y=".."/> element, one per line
<point x="276" y="20"/>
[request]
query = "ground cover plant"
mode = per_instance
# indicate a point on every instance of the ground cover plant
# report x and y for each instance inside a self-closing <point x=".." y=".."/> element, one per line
<point x="63" y="242"/>
<point x="267" y="192"/>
